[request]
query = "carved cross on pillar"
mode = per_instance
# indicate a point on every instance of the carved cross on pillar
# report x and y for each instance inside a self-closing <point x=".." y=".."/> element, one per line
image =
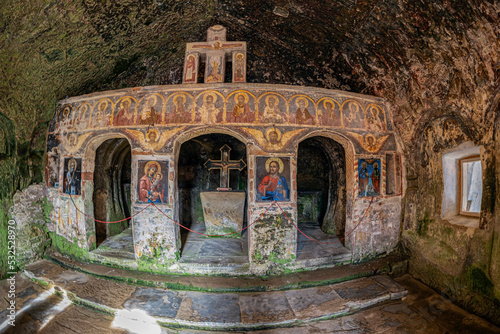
<point x="225" y="165"/>
<point x="214" y="51"/>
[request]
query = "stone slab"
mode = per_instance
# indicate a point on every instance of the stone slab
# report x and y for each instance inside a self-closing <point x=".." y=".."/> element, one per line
<point x="309" y="303"/>
<point x="397" y="291"/>
<point x="223" y="212"/>
<point x="361" y="292"/>
<point x="156" y="302"/>
<point x="210" y="307"/>
<point x="265" y="307"/>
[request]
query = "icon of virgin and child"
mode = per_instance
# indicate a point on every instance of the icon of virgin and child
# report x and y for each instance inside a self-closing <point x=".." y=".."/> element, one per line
<point x="273" y="186"/>
<point x="151" y="187"/>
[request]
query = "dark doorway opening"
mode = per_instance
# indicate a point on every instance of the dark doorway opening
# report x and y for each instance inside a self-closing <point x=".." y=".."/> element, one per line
<point x="193" y="178"/>
<point x="112" y="176"/>
<point x="321" y="200"/>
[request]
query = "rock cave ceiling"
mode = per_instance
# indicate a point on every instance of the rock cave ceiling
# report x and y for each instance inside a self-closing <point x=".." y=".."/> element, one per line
<point x="427" y="58"/>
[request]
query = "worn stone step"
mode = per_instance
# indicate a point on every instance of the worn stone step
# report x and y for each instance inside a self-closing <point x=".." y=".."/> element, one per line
<point x="295" y="279"/>
<point x="245" y="311"/>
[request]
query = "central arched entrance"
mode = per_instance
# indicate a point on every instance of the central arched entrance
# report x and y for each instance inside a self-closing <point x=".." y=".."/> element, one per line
<point x="194" y="178"/>
<point x="111" y="198"/>
<point x="321" y="198"/>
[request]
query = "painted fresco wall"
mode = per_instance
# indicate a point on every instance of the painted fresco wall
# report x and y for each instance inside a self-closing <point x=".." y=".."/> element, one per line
<point x="270" y="119"/>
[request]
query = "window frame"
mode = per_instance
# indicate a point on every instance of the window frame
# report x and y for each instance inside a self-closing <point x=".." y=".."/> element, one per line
<point x="471" y="158"/>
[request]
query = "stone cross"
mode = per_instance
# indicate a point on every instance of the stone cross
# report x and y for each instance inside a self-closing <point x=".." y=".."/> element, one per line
<point x="215" y="51"/>
<point x="225" y="165"/>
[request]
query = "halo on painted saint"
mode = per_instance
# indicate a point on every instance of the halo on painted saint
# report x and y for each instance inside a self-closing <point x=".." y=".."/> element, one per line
<point x="243" y="94"/>
<point x="151" y="131"/>
<point x="151" y="97"/>
<point x="270" y="130"/>
<point x="325" y="101"/>
<point x="306" y="103"/>
<point x="278" y="160"/>
<point x="176" y="96"/>
<point x="72" y="163"/>
<point x="275" y="97"/>
<point x="214" y="97"/>
<point x="103" y="102"/>
<point x="151" y="164"/>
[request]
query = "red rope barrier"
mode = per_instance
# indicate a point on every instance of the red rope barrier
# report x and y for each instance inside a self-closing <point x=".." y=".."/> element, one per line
<point x="214" y="235"/>
<point x="106" y="222"/>
<point x="327" y="243"/>
<point x="218" y="235"/>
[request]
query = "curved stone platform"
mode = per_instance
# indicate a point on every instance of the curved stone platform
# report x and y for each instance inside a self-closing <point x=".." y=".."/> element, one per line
<point x="50" y="298"/>
<point x="218" y="311"/>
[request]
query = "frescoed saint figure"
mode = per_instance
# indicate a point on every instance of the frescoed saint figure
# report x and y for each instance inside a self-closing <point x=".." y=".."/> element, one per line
<point x="241" y="111"/>
<point x="79" y="122"/>
<point x="190" y="72"/>
<point x="64" y="121"/>
<point x="149" y="187"/>
<point x="148" y="114"/>
<point x="373" y="121"/>
<point x="376" y="178"/>
<point x="208" y="112"/>
<point x="273" y="186"/>
<point x="179" y="112"/>
<point x="214" y="75"/>
<point x="99" y="119"/>
<point x="239" y="73"/>
<point x="272" y="113"/>
<point x="302" y="115"/>
<point x="329" y="117"/>
<point x="363" y="178"/>
<point x="353" y="118"/>
<point x="124" y="116"/>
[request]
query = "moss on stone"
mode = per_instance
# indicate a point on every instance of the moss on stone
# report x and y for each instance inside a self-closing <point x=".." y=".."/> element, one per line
<point x="480" y="281"/>
<point x="66" y="247"/>
<point x="423" y="225"/>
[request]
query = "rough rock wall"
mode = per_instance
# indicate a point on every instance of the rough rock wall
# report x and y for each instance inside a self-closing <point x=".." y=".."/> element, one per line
<point x="30" y="215"/>
<point x="455" y="258"/>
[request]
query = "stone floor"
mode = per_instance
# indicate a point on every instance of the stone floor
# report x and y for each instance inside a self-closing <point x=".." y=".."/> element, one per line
<point x="198" y="248"/>
<point x="308" y="249"/>
<point x="365" y="305"/>
<point x="118" y="249"/>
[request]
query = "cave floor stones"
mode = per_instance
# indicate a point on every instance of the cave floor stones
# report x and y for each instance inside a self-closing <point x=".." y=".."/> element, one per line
<point x="74" y="302"/>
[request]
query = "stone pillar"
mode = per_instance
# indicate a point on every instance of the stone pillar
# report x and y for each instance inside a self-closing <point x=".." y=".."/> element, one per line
<point x="156" y="236"/>
<point x="273" y="239"/>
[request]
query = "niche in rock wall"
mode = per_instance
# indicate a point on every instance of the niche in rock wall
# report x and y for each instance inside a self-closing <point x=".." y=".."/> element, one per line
<point x="194" y="176"/>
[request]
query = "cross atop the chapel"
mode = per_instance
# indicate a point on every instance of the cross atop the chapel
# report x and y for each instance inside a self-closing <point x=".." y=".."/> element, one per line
<point x="214" y="52"/>
<point x="225" y="165"/>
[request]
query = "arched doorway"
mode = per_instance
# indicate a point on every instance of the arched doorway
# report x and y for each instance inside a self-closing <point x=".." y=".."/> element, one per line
<point x="194" y="178"/>
<point x="321" y="197"/>
<point x="111" y="197"/>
